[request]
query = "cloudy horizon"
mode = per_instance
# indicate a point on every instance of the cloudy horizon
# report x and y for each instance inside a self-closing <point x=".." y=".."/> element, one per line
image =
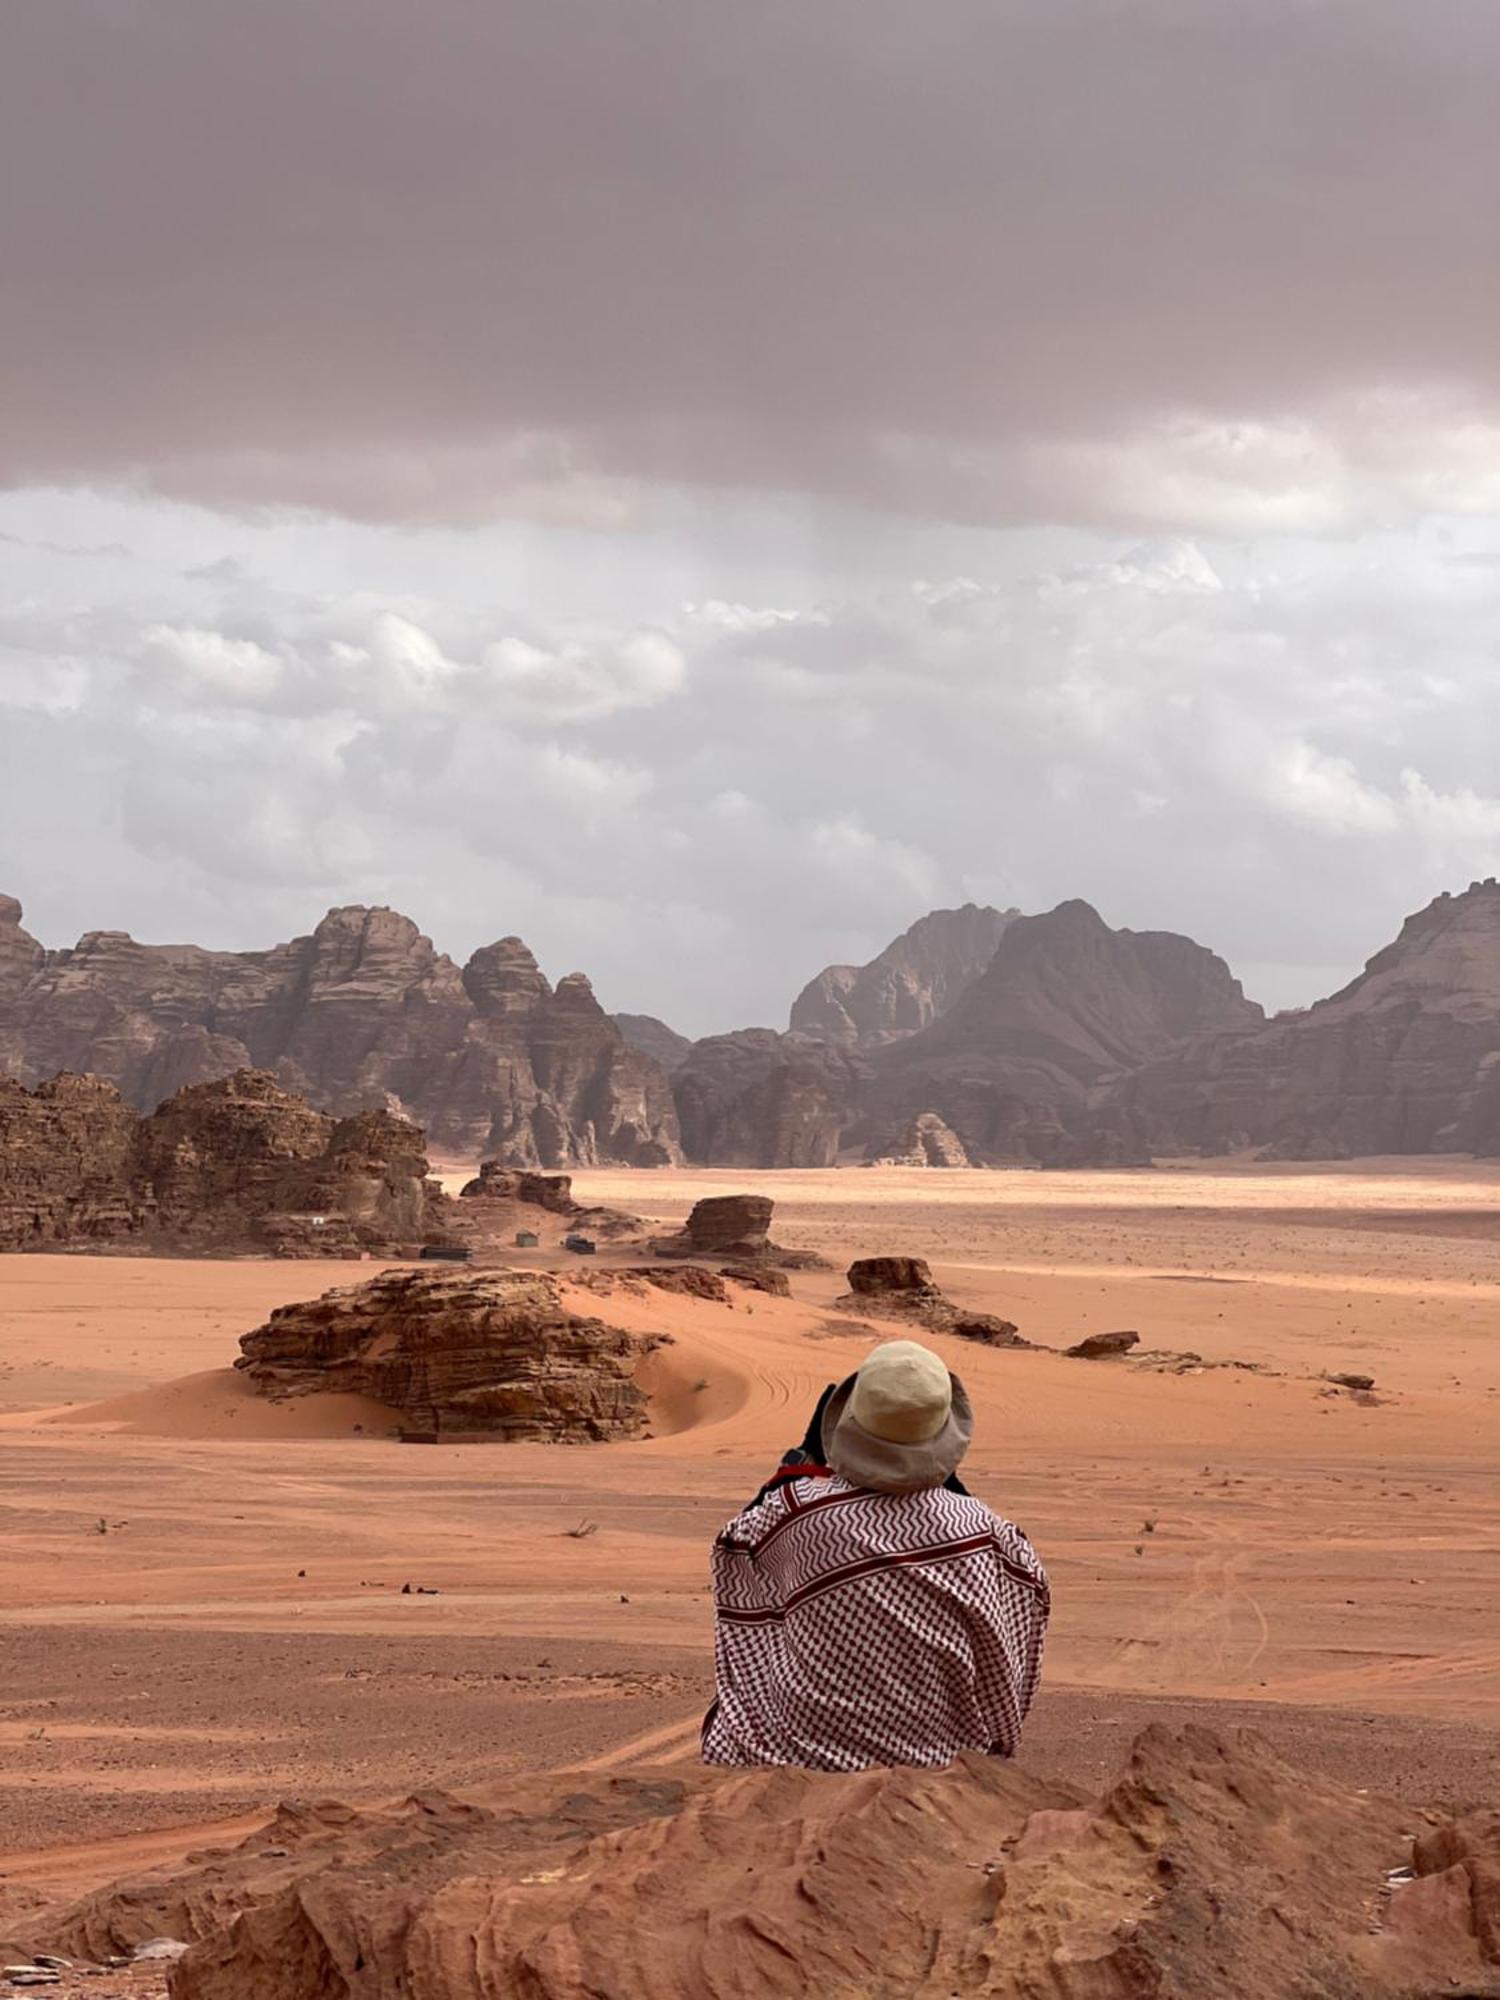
<point x="698" y="488"/>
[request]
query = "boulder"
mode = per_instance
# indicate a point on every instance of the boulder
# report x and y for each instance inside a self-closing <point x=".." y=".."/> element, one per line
<point x="729" y="1225"/>
<point x="904" y="1279"/>
<point x="758" y="1278"/>
<point x="1103" y="1346"/>
<point x="735" y="1227"/>
<point x="904" y="1288"/>
<point x="457" y="1352"/>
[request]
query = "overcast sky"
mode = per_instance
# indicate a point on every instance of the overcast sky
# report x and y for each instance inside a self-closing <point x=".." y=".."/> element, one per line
<point x="699" y="485"/>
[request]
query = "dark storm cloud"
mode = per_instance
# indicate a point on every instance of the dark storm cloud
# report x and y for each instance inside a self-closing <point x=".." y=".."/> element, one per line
<point x="1155" y="260"/>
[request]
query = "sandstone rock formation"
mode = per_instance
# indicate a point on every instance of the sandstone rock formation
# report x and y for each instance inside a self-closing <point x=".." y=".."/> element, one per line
<point x="911" y="983"/>
<point x="1209" y="1870"/>
<point x="21" y="957"/>
<point x="759" y="1099"/>
<point x="1015" y="1065"/>
<point x="239" y="1164"/>
<point x="457" y="1352"/>
<point x="926" y="1142"/>
<point x="733" y="1228"/>
<point x="1107" y="1346"/>
<point x="494" y="1182"/>
<point x="362" y="1014"/>
<point x="501" y="1200"/>
<point x="908" y="1279"/>
<point x="1406" y="1059"/>
<point x="653" y="1038"/>
<point x="904" y="1288"/>
<point x="65" y="1164"/>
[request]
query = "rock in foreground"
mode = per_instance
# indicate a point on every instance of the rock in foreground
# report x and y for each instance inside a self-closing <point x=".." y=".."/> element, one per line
<point x="1210" y="1870"/>
<point x="458" y="1352"/>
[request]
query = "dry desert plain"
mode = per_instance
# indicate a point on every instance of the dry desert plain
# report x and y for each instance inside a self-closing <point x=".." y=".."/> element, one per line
<point x="201" y="1594"/>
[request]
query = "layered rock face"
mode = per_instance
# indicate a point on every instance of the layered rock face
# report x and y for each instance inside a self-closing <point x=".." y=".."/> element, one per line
<point x="1066" y="1003"/>
<point x="914" y="980"/>
<point x="653" y="1038"/>
<point x="759" y="1099"/>
<point x="65" y="1164"/>
<point x="238" y="1164"/>
<point x="457" y="1352"/>
<point x="1208" y="1870"/>
<point x="21" y="957"/>
<point x="736" y="1226"/>
<point x="363" y="1014"/>
<point x="1406" y="1059"/>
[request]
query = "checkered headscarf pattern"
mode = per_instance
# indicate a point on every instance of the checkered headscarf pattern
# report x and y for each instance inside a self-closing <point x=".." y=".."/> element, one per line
<point x="857" y="1628"/>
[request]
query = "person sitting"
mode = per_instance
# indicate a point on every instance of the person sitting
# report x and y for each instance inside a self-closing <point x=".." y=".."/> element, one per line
<point x="868" y="1609"/>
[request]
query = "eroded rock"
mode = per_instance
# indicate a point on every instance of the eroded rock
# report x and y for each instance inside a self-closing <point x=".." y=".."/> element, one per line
<point x="362" y="1014"/>
<point x="1210" y="1870"/>
<point x="456" y="1352"/>
<point x="1103" y="1346"/>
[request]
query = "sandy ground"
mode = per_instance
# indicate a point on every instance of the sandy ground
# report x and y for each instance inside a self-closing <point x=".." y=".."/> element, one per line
<point x="201" y="1596"/>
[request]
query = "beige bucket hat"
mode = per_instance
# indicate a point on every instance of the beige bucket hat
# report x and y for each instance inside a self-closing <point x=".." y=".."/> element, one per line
<point x="902" y="1423"/>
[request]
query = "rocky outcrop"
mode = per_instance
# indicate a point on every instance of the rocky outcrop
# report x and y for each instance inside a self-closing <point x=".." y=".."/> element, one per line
<point x="908" y="1280"/>
<point x="653" y="1038"/>
<point x="494" y="1182"/>
<point x="21" y="957"/>
<point x="500" y="1200"/>
<point x="904" y="1288"/>
<point x="362" y="1014"/>
<point x="926" y="1142"/>
<point x="66" y="1165"/>
<point x="236" y="1165"/>
<point x="1015" y="1066"/>
<point x="457" y="1352"/>
<point x="734" y="1228"/>
<point x="914" y="981"/>
<point x="1405" y="1059"/>
<point x="1209" y="1869"/>
<point x="759" y="1099"/>
<point x="1106" y="1346"/>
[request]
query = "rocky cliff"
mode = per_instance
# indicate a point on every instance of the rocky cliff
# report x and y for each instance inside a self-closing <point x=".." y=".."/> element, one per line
<point x="1066" y="1003"/>
<point x="760" y="1099"/>
<point x="911" y="983"/>
<point x="1405" y="1059"/>
<point x="363" y="1013"/>
<point x="235" y="1165"/>
<point x="457" y="1352"/>
<point x="650" y="1037"/>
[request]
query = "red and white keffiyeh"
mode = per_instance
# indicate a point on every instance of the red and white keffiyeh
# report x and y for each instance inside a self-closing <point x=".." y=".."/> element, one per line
<point x="857" y="1628"/>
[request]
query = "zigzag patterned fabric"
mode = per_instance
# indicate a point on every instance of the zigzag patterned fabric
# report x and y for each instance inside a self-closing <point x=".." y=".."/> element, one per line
<point x="856" y="1628"/>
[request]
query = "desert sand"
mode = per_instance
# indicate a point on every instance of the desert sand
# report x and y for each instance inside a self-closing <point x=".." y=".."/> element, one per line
<point x="201" y="1595"/>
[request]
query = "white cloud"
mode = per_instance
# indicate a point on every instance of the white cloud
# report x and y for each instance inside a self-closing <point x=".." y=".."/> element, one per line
<point x="1280" y="747"/>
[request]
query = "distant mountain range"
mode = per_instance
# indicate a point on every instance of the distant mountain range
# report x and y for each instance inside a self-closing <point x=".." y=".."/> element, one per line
<point x="1049" y="1040"/>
